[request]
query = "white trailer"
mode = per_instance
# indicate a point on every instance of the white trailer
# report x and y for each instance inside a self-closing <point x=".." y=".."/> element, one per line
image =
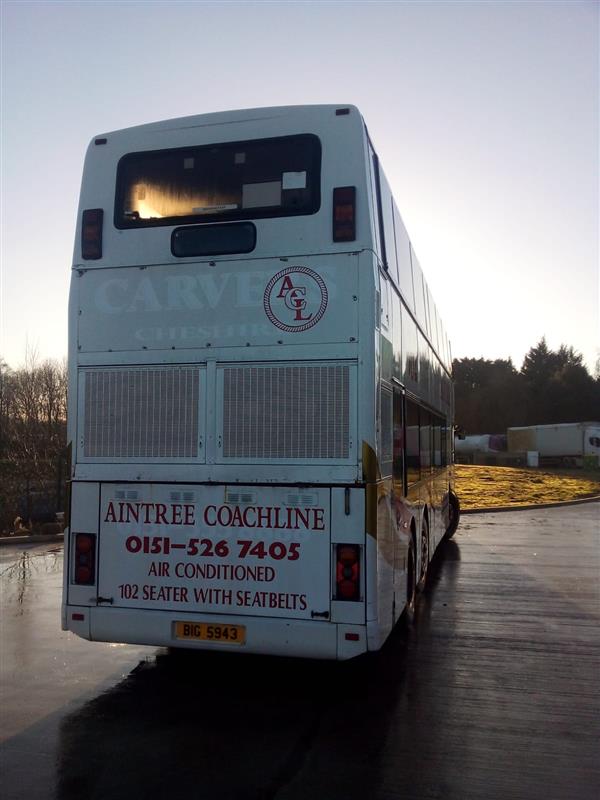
<point x="573" y="442"/>
<point x="484" y="443"/>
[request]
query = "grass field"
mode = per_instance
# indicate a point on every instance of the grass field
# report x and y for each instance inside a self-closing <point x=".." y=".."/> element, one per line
<point x="486" y="487"/>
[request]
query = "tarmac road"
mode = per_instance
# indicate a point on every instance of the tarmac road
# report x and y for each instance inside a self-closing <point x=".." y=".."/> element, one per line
<point x="493" y="693"/>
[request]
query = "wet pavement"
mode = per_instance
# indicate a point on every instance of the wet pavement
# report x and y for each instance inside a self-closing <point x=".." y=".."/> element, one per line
<point x="493" y="693"/>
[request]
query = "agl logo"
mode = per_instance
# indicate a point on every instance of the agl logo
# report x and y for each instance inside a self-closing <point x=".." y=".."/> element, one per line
<point x="295" y="299"/>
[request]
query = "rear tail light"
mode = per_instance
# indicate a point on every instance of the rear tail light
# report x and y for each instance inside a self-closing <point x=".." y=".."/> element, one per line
<point x="344" y="214"/>
<point x="347" y="572"/>
<point x="91" y="233"/>
<point x="85" y="559"/>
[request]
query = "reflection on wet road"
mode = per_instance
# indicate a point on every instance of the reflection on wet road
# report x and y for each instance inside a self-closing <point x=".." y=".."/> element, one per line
<point x="42" y="667"/>
<point x="493" y="694"/>
<point x="17" y="574"/>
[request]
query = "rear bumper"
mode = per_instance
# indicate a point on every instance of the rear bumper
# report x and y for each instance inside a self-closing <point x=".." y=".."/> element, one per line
<point x="267" y="636"/>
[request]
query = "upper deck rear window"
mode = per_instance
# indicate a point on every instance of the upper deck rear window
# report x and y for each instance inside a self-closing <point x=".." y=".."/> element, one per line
<point x="240" y="180"/>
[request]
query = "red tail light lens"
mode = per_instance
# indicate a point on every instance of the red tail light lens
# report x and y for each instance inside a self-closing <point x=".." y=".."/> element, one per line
<point x="91" y="234"/>
<point x="347" y="573"/>
<point x="85" y="559"/>
<point x="344" y="214"/>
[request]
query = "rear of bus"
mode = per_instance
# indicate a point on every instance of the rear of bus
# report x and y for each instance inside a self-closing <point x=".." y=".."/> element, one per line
<point x="222" y="317"/>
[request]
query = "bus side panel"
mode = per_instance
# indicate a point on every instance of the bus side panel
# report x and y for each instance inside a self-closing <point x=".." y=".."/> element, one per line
<point x="85" y="500"/>
<point x="375" y="638"/>
<point x="381" y="570"/>
<point x="402" y="515"/>
<point x="348" y="527"/>
<point x="440" y="492"/>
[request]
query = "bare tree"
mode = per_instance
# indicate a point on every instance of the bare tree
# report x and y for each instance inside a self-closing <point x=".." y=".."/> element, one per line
<point x="32" y="435"/>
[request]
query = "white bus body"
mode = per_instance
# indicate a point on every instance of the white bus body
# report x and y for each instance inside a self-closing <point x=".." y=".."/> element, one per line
<point x="260" y="398"/>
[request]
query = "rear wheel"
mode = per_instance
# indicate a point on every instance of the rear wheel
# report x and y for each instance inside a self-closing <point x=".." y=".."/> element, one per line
<point x="454" y="509"/>
<point x="424" y="563"/>
<point x="411" y="581"/>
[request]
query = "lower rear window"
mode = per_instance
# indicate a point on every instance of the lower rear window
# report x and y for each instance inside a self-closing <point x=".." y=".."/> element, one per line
<point x="213" y="240"/>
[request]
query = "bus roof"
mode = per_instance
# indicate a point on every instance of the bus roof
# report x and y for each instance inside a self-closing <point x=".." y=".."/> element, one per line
<point x="231" y="117"/>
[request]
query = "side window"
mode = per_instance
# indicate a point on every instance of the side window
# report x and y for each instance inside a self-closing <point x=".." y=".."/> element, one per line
<point x="427" y="298"/>
<point x="440" y="330"/>
<point x="437" y="442"/>
<point x="410" y="354"/>
<point x="436" y="382"/>
<point x="386" y="305"/>
<point x="413" y="462"/>
<point x="405" y="276"/>
<point x="385" y="432"/>
<point x="424" y="366"/>
<point x="425" y="440"/>
<point x="398" y="463"/>
<point x="433" y="323"/>
<point x="375" y="201"/>
<point x="444" y="444"/>
<point x="387" y="216"/>
<point x="397" y="314"/>
<point x="419" y="294"/>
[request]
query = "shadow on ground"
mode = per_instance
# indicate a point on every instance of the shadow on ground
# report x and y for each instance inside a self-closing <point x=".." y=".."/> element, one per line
<point x="233" y="727"/>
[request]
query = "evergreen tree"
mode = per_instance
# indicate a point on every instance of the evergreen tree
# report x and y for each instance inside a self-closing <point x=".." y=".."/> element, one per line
<point x="553" y="386"/>
<point x="558" y="386"/>
<point x="489" y="395"/>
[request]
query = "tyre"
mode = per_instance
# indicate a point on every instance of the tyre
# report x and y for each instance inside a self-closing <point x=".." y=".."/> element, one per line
<point x="454" y="508"/>
<point x="424" y="562"/>
<point x="411" y="581"/>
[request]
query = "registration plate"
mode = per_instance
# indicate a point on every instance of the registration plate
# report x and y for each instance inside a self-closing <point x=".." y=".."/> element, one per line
<point x="210" y="632"/>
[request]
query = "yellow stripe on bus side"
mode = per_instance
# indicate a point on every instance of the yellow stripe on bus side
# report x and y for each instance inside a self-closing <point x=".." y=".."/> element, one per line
<point x="371" y="509"/>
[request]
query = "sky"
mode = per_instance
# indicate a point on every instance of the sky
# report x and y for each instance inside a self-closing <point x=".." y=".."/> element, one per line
<point x="484" y="115"/>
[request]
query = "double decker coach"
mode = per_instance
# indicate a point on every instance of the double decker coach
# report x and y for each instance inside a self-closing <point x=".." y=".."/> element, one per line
<point x="260" y="398"/>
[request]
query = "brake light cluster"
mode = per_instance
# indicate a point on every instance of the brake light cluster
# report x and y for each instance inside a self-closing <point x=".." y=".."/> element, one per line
<point x="85" y="559"/>
<point x="344" y="214"/>
<point x="91" y="233"/>
<point x="347" y="573"/>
